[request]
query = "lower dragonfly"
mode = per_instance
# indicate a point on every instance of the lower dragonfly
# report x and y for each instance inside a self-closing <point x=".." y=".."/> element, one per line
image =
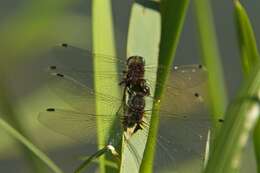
<point x="183" y="126"/>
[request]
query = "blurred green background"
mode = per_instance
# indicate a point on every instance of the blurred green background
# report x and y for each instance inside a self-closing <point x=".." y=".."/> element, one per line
<point x="29" y="28"/>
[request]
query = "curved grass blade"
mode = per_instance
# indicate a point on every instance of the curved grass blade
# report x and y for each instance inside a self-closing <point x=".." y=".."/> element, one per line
<point x="143" y="40"/>
<point x="108" y="163"/>
<point x="247" y="42"/>
<point x="7" y="108"/>
<point x="249" y="58"/>
<point x="103" y="42"/>
<point x="172" y="19"/>
<point x="211" y="58"/>
<point x="241" y="118"/>
<point x="90" y="159"/>
<point x="38" y="153"/>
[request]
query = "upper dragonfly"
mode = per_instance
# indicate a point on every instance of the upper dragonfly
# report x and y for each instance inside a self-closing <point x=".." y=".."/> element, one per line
<point x="181" y="109"/>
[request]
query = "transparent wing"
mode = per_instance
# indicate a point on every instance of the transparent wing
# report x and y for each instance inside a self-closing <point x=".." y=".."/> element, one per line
<point x="187" y="76"/>
<point x="80" y="123"/>
<point x="182" y="102"/>
<point x="79" y="96"/>
<point x="181" y="76"/>
<point x="81" y="58"/>
<point x="183" y="126"/>
<point x="76" y="125"/>
<point x="184" y="122"/>
<point x="179" y="139"/>
<point x="78" y="63"/>
<point x="185" y="91"/>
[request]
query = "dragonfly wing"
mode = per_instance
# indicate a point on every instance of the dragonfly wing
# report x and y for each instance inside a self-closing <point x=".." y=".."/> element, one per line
<point x="79" y="96"/>
<point x="79" y="63"/>
<point x="178" y="140"/>
<point x="187" y="76"/>
<point x="182" y="140"/>
<point x="78" y="126"/>
<point x="186" y="91"/>
<point x="184" y="123"/>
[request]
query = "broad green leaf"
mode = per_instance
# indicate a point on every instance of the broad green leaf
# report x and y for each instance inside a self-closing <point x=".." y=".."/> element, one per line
<point x="173" y="13"/>
<point x="143" y="40"/>
<point x="103" y="42"/>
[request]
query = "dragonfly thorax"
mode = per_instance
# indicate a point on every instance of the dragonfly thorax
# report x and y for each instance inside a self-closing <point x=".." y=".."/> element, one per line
<point x="134" y="79"/>
<point x="135" y="69"/>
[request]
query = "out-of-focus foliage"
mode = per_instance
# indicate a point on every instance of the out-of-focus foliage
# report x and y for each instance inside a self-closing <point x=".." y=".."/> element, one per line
<point x="249" y="58"/>
<point x="32" y="27"/>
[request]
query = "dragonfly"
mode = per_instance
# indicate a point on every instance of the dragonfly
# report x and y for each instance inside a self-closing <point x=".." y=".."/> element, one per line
<point x="183" y="124"/>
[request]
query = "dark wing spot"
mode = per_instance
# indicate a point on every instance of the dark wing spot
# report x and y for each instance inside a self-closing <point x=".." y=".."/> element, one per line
<point x="50" y="110"/>
<point x="200" y="66"/>
<point x="196" y="95"/>
<point x="53" y="67"/>
<point x="64" y="45"/>
<point x="221" y="120"/>
<point x="59" y="75"/>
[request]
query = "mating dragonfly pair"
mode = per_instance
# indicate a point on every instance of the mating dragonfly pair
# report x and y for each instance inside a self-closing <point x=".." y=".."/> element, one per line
<point x="183" y="124"/>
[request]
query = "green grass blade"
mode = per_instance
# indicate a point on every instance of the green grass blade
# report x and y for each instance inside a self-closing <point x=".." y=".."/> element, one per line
<point x="241" y="118"/>
<point x="7" y="108"/>
<point x="143" y="40"/>
<point x="19" y="137"/>
<point x="211" y="58"/>
<point x="247" y="42"/>
<point x="249" y="58"/>
<point x="257" y="145"/>
<point x="108" y="162"/>
<point x="90" y="159"/>
<point x="103" y="42"/>
<point x="173" y="13"/>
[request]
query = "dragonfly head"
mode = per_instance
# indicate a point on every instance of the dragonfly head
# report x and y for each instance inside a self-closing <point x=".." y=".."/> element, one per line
<point x="135" y="60"/>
